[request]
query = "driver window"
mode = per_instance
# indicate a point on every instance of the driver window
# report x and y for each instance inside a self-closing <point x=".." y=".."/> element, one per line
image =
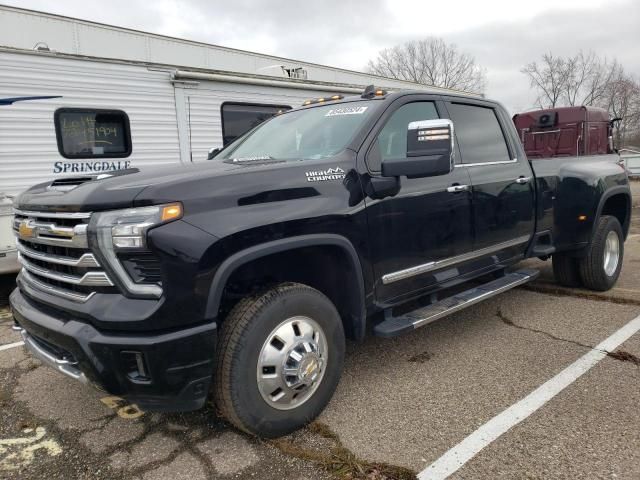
<point x="392" y="139"/>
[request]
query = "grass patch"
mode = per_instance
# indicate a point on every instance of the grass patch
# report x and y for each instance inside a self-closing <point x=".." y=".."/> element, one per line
<point x="560" y="292"/>
<point x="625" y="357"/>
<point x="4" y="398"/>
<point x="339" y="461"/>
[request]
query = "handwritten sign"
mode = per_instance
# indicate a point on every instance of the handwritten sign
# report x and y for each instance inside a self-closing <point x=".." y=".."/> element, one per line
<point x="92" y="133"/>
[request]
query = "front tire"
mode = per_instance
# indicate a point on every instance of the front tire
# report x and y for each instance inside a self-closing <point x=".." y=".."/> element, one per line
<point x="601" y="267"/>
<point x="280" y="358"/>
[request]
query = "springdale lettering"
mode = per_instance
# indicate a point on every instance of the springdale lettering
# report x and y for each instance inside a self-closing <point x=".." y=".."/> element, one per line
<point x="82" y="167"/>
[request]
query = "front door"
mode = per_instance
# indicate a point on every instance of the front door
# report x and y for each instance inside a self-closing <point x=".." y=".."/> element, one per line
<point x="426" y="222"/>
<point x="503" y="195"/>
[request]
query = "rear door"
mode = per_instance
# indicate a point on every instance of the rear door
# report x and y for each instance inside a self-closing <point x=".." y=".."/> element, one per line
<point x="502" y="184"/>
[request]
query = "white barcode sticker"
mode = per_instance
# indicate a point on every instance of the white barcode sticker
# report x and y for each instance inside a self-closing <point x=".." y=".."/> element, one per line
<point x="346" y="111"/>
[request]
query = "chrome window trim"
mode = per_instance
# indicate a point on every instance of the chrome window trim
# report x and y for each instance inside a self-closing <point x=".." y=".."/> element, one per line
<point x="479" y="164"/>
<point x="89" y="279"/>
<point x="69" y="215"/>
<point x="429" y="266"/>
<point x="87" y="260"/>
<point x="30" y="282"/>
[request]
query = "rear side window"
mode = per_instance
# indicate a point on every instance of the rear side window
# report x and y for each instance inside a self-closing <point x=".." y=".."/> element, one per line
<point x="479" y="133"/>
<point x="239" y="118"/>
<point x="92" y="133"/>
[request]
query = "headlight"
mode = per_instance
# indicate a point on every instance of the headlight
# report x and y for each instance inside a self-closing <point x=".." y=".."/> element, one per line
<point x="126" y="230"/>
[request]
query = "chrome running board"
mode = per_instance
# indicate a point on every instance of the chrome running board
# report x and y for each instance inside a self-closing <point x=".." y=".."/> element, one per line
<point x="393" y="326"/>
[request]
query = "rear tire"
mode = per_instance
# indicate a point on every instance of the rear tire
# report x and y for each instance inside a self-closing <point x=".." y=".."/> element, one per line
<point x="601" y="267"/>
<point x="566" y="270"/>
<point x="280" y="357"/>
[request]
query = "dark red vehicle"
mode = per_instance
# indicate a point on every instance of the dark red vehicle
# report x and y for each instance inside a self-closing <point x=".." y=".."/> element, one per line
<point x="565" y="132"/>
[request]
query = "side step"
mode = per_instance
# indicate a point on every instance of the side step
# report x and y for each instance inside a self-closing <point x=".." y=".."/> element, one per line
<point x="423" y="316"/>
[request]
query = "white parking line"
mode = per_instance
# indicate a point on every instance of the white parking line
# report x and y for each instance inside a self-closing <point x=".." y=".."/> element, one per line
<point x="468" y="448"/>
<point x="10" y="345"/>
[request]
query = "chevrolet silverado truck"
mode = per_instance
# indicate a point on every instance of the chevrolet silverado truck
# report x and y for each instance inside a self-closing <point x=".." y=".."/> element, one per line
<point x="242" y="277"/>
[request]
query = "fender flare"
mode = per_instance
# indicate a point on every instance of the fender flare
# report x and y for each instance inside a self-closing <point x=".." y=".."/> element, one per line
<point x="232" y="263"/>
<point x="625" y="189"/>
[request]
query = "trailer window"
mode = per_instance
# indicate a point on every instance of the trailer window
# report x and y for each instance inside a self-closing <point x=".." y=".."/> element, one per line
<point x="239" y="118"/>
<point x="91" y="133"/>
<point x="307" y="134"/>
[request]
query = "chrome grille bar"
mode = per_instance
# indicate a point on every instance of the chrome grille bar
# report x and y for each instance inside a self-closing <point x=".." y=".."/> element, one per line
<point x="66" y="215"/>
<point x="89" y="279"/>
<point x="31" y="282"/>
<point x="51" y="234"/>
<point x="87" y="260"/>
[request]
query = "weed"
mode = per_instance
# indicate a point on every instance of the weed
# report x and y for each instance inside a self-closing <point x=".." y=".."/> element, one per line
<point x="339" y="461"/>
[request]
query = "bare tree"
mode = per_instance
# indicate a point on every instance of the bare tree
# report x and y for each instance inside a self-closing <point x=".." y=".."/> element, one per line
<point x="549" y="79"/>
<point x="622" y="99"/>
<point x="431" y="61"/>
<point x="586" y="79"/>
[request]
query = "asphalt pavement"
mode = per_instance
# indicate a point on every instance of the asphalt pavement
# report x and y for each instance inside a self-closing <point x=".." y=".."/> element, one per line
<point x="404" y="407"/>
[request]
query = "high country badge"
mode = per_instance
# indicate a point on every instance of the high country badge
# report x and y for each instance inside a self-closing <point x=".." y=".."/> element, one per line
<point x="324" y="175"/>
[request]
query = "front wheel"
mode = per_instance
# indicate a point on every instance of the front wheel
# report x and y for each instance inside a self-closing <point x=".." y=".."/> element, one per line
<point x="601" y="267"/>
<point x="280" y="358"/>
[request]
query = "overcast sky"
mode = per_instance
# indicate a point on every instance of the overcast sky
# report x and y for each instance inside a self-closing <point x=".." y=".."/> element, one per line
<point x="502" y="35"/>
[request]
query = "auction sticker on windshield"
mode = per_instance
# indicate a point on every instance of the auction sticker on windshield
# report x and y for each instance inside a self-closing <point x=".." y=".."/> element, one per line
<point x="346" y="111"/>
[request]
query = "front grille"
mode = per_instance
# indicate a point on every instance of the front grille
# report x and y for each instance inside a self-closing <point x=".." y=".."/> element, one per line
<point x="55" y="255"/>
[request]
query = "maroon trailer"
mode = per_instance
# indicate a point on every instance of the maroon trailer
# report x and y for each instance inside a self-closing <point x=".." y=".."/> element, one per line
<point x="565" y="132"/>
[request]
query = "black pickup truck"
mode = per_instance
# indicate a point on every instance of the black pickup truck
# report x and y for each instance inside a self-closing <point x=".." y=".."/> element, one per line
<point x="243" y="276"/>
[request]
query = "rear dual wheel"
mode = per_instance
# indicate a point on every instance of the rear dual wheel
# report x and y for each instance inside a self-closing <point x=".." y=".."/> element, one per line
<point x="280" y="358"/>
<point x="600" y="268"/>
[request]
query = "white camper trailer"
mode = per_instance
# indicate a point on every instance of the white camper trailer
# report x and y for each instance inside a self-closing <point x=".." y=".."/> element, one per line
<point x="157" y="100"/>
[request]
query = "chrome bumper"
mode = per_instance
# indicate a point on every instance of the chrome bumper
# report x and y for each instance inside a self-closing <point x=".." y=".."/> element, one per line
<point x="62" y="365"/>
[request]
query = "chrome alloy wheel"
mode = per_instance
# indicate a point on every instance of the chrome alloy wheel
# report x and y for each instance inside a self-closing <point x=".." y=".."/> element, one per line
<point x="611" y="253"/>
<point x="292" y="363"/>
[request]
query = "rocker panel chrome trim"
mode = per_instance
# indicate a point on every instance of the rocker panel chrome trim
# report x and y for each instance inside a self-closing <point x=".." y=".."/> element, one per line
<point x="435" y="265"/>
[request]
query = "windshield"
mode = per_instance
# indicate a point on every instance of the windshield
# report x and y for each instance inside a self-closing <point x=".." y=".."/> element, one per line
<point x="311" y="133"/>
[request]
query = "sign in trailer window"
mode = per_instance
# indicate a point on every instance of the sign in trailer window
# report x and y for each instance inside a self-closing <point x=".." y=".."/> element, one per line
<point x="92" y="134"/>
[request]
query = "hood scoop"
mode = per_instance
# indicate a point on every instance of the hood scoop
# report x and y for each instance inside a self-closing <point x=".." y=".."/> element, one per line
<point x="69" y="183"/>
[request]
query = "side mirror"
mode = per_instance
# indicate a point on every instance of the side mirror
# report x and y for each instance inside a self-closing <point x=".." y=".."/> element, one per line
<point x="429" y="151"/>
<point x="213" y="152"/>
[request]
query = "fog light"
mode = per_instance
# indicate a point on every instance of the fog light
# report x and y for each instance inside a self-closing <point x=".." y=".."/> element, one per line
<point x="135" y="366"/>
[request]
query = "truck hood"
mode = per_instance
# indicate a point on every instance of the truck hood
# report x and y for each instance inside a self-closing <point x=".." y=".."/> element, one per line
<point x="202" y="186"/>
<point x="112" y="190"/>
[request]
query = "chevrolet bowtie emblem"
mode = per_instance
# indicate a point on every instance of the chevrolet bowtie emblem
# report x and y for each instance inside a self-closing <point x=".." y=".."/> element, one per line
<point x="25" y="230"/>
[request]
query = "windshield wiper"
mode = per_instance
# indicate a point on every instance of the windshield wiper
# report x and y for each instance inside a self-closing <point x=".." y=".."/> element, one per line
<point x="254" y="159"/>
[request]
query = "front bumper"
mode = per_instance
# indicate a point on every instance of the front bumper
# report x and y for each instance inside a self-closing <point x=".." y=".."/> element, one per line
<point x="177" y="366"/>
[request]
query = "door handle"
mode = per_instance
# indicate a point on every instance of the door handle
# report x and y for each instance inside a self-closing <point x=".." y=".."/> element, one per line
<point x="523" y="180"/>
<point x="458" y="188"/>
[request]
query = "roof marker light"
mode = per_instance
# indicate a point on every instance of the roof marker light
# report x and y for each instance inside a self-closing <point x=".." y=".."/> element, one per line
<point x="371" y="92"/>
<point x="322" y="99"/>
